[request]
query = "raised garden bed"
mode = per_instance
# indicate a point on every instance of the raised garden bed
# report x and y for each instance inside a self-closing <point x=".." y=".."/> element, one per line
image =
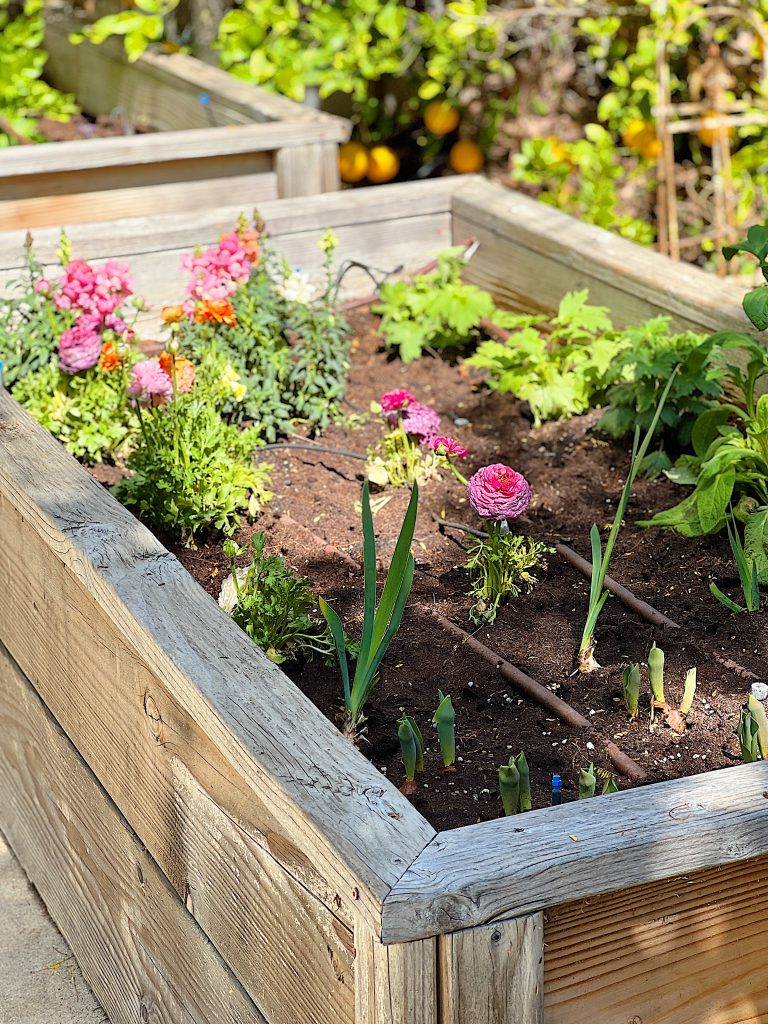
<point x="157" y="766"/>
<point x="212" y="137"/>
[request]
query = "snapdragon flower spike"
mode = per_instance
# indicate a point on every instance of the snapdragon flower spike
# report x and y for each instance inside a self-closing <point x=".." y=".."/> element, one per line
<point x="217" y="271"/>
<point x="94" y="290"/>
<point x="498" y="492"/>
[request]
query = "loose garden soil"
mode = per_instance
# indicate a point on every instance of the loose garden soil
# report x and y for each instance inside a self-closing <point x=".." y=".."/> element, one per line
<point x="79" y="126"/>
<point x="576" y="476"/>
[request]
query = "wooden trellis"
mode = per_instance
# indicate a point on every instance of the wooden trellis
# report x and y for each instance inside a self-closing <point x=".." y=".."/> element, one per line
<point x="710" y="109"/>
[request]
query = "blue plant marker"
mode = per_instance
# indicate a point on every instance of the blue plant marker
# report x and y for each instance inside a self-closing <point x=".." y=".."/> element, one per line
<point x="557" y="789"/>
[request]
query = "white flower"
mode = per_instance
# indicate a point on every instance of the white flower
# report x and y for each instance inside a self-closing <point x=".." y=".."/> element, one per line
<point x="297" y="288"/>
<point x="228" y="595"/>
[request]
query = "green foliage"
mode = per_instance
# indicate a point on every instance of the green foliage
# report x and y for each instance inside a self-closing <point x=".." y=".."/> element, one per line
<point x="24" y="95"/>
<point x="642" y="370"/>
<point x="747" y="735"/>
<point x="86" y="411"/>
<point x="274" y="605"/>
<point x="585" y="178"/>
<point x="192" y="471"/>
<point x="435" y="310"/>
<point x="411" y="748"/>
<point x="747" y="556"/>
<point x="380" y="621"/>
<point x="443" y="720"/>
<point x="587" y="782"/>
<point x="630" y="684"/>
<point x="502" y="567"/>
<point x="730" y="442"/>
<point x="289" y="359"/>
<point x="656" y="672"/>
<point x="139" y="27"/>
<point x="509" y="787"/>
<point x="559" y="372"/>
<point x="30" y="325"/>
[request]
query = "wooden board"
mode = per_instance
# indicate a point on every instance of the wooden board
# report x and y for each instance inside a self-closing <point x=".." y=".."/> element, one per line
<point x="139" y="949"/>
<point x="530" y="255"/>
<point x="687" y="950"/>
<point x="473" y="875"/>
<point x="395" y="984"/>
<point x="223" y="724"/>
<point x="493" y="974"/>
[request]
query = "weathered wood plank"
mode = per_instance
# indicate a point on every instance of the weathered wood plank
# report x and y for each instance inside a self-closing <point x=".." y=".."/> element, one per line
<point x="493" y="974"/>
<point x="509" y="867"/>
<point x="307" y="170"/>
<point x="188" y="804"/>
<point x="163" y="90"/>
<point x="139" y="949"/>
<point x="288" y="779"/>
<point x="394" y="984"/>
<point x="530" y="255"/>
<point x="682" y="951"/>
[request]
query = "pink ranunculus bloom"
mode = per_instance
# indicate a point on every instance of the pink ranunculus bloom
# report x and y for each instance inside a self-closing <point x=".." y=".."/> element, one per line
<point x="80" y="346"/>
<point x="421" y="422"/>
<point x="392" y="401"/>
<point x="449" y="447"/>
<point x="498" y="492"/>
<point x="149" y="384"/>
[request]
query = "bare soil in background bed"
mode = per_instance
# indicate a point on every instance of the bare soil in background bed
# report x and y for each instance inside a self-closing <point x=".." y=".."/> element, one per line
<point x="576" y="477"/>
<point x="80" y="126"/>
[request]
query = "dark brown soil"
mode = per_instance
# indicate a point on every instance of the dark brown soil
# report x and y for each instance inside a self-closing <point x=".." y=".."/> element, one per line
<point x="81" y="127"/>
<point x="576" y="477"/>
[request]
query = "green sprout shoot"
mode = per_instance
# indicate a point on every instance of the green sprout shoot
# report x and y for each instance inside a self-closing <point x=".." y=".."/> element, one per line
<point x="412" y="751"/>
<point x="443" y="720"/>
<point x="598" y="595"/>
<point x="757" y="711"/>
<point x="609" y="786"/>
<point x="656" y="674"/>
<point x="521" y="763"/>
<point x="587" y="782"/>
<point x="630" y="684"/>
<point x="380" y="623"/>
<point x="747" y="733"/>
<point x="748" y="576"/>
<point x="689" y="691"/>
<point x="509" y="787"/>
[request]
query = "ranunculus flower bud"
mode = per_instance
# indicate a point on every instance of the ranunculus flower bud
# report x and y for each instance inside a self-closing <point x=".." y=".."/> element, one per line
<point x="80" y="346"/>
<point x="449" y="447"/>
<point x="498" y="492"/>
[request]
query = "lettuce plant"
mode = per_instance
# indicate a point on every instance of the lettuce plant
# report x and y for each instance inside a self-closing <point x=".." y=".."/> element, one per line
<point x="380" y="620"/>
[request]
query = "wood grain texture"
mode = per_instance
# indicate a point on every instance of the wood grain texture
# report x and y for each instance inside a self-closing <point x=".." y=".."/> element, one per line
<point x="688" y="950"/>
<point x="139" y="949"/>
<point x="394" y="984"/>
<point x="474" y="875"/>
<point x="493" y="974"/>
<point x="530" y="255"/>
<point x="188" y="805"/>
<point x="229" y="718"/>
<point x="307" y="169"/>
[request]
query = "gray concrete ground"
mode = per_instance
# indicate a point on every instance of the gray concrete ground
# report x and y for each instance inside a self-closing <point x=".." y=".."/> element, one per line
<point x="40" y="983"/>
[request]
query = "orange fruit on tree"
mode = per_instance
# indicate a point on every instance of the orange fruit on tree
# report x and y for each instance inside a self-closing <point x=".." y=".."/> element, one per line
<point x="353" y="162"/>
<point x="383" y="164"/>
<point x="466" y="157"/>
<point x="441" y="117"/>
<point x="641" y="136"/>
<point x="710" y="130"/>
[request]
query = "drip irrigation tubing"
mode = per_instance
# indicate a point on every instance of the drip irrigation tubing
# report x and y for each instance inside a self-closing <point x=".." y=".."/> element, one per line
<point x="522" y="682"/>
<point x="311" y="448"/>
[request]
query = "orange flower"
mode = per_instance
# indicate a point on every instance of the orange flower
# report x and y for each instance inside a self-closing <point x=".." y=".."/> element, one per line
<point x="185" y="371"/>
<point x="109" y="359"/>
<point x="250" y="242"/>
<point x="217" y="311"/>
<point x="172" y="314"/>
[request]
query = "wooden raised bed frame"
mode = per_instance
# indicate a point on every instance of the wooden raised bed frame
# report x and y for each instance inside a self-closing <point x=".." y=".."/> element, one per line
<point x="210" y="845"/>
<point x="245" y="142"/>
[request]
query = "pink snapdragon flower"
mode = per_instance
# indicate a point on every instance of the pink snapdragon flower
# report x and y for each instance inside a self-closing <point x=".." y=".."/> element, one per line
<point x="393" y="401"/>
<point x="449" y="447"/>
<point x="94" y="290"/>
<point x="421" y="422"/>
<point x="498" y="492"/>
<point x="150" y="384"/>
<point x="217" y="271"/>
<point x="80" y="346"/>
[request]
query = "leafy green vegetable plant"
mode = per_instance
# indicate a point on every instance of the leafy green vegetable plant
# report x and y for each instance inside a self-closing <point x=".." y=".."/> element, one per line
<point x="411" y="751"/>
<point x="749" y="576"/>
<point x="433" y="311"/>
<point x="755" y="302"/>
<point x="444" y="721"/>
<point x="558" y="372"/>
<point x="500" y="568"/>
<point x="273" y="604"/>
<point x="598" y="595"/>
<point x="380" y="621"/>
<point x="191" y="470"/>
